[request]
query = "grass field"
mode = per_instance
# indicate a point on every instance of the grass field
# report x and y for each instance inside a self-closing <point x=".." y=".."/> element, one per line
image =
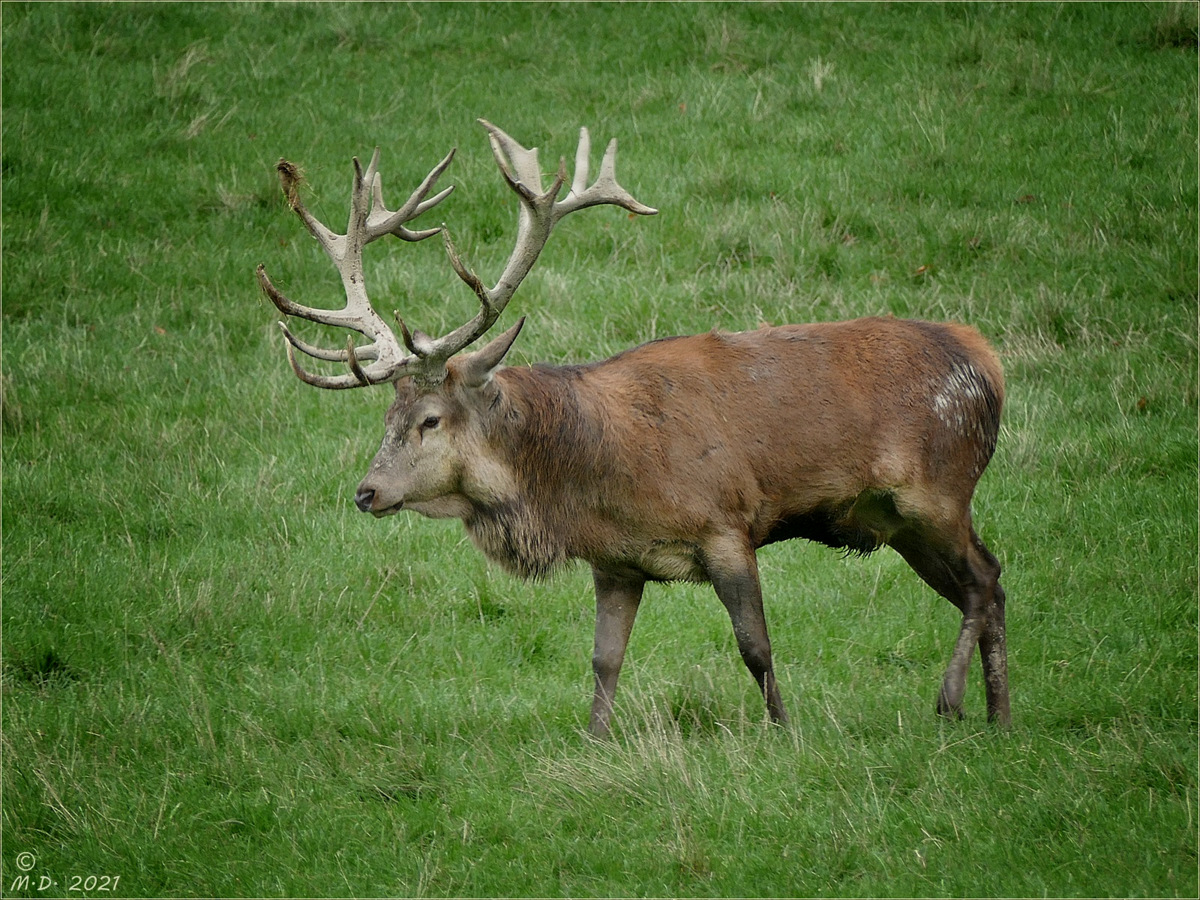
<point x="220" y="679"/>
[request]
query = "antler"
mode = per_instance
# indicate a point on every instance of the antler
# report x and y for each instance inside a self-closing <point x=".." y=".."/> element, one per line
<point x="371" y="219"/>
<point x="540" y="212"/>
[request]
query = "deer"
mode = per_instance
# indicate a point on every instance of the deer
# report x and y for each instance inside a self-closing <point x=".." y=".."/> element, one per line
<point x="675" y="460"/>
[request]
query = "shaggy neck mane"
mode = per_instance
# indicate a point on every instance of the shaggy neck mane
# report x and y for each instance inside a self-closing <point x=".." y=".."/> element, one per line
<point x="556" y="453"/>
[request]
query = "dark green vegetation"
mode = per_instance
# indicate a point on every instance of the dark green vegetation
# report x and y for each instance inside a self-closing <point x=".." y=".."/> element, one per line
<point x="219" y="678"/>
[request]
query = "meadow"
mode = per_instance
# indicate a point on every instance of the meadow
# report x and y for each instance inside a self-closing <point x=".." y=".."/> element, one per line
<point x="221" y="679"/>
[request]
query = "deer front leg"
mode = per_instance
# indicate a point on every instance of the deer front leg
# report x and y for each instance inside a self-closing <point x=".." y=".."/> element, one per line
<point x="617" y="600"/>
<point x="733" y="572"/>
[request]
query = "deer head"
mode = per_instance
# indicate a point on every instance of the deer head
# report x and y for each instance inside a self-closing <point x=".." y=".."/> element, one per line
<point x="429" y="460"/>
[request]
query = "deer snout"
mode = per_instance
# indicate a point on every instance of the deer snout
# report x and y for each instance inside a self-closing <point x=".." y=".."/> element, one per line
<point x="375" y="502"/>
<point x="363" y="498"/>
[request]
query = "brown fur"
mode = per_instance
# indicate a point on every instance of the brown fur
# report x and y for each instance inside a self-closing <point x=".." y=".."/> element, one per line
<point x="677" y="459"/>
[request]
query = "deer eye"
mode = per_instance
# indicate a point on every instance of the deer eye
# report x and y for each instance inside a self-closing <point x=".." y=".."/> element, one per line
<point x="430" y="422"/>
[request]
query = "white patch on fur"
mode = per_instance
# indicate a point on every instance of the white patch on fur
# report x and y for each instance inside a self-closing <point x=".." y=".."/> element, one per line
<point x="957" y="403"/>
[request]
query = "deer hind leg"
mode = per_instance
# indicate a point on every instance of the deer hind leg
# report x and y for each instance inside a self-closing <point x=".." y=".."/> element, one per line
<point x="734" y="576"/>
<point x="965" y="572"/>
<point x="617" y="600"/>
<point x="993" y="644"/>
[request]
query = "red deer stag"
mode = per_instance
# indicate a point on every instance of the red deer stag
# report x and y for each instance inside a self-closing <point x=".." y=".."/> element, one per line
<point x="678" y="459"/>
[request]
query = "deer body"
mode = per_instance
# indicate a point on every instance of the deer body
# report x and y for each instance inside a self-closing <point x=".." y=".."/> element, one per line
<point x="678" y="459"/>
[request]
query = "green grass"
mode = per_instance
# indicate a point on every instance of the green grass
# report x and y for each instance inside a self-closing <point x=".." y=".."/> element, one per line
<point x="220" y="679"/>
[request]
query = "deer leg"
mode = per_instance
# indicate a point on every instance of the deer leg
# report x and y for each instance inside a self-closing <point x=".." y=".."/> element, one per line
<point x="954" y="684"/>
<point x="967" y="575"/>
<point x="993" y="644"/>
<point x="735" y="579"/>
<point x="617" y="600"/>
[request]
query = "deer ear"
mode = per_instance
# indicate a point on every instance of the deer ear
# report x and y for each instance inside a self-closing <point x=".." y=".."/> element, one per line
<point x="476" y="368"/>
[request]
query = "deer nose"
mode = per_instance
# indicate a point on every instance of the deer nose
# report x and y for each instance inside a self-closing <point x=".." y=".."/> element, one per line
<point x="364" y="498"/>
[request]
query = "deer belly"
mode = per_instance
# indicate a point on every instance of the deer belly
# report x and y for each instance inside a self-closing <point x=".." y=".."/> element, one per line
<point x="672" y="561"/>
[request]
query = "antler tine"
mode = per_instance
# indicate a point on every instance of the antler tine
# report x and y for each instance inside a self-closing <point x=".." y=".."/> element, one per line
<point x="368" y="352"/>
<point x="289" y="180"/>
<point x="330" y="382"/>
<point x="519" y="165"/>
<point x="540" y="212"/>
<point x="369" y="220"/>
<point x="383" y="221"/>
<point x="335" y="317"/>
<point x="582" y="160"/>
<point x="605" y="188"/>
